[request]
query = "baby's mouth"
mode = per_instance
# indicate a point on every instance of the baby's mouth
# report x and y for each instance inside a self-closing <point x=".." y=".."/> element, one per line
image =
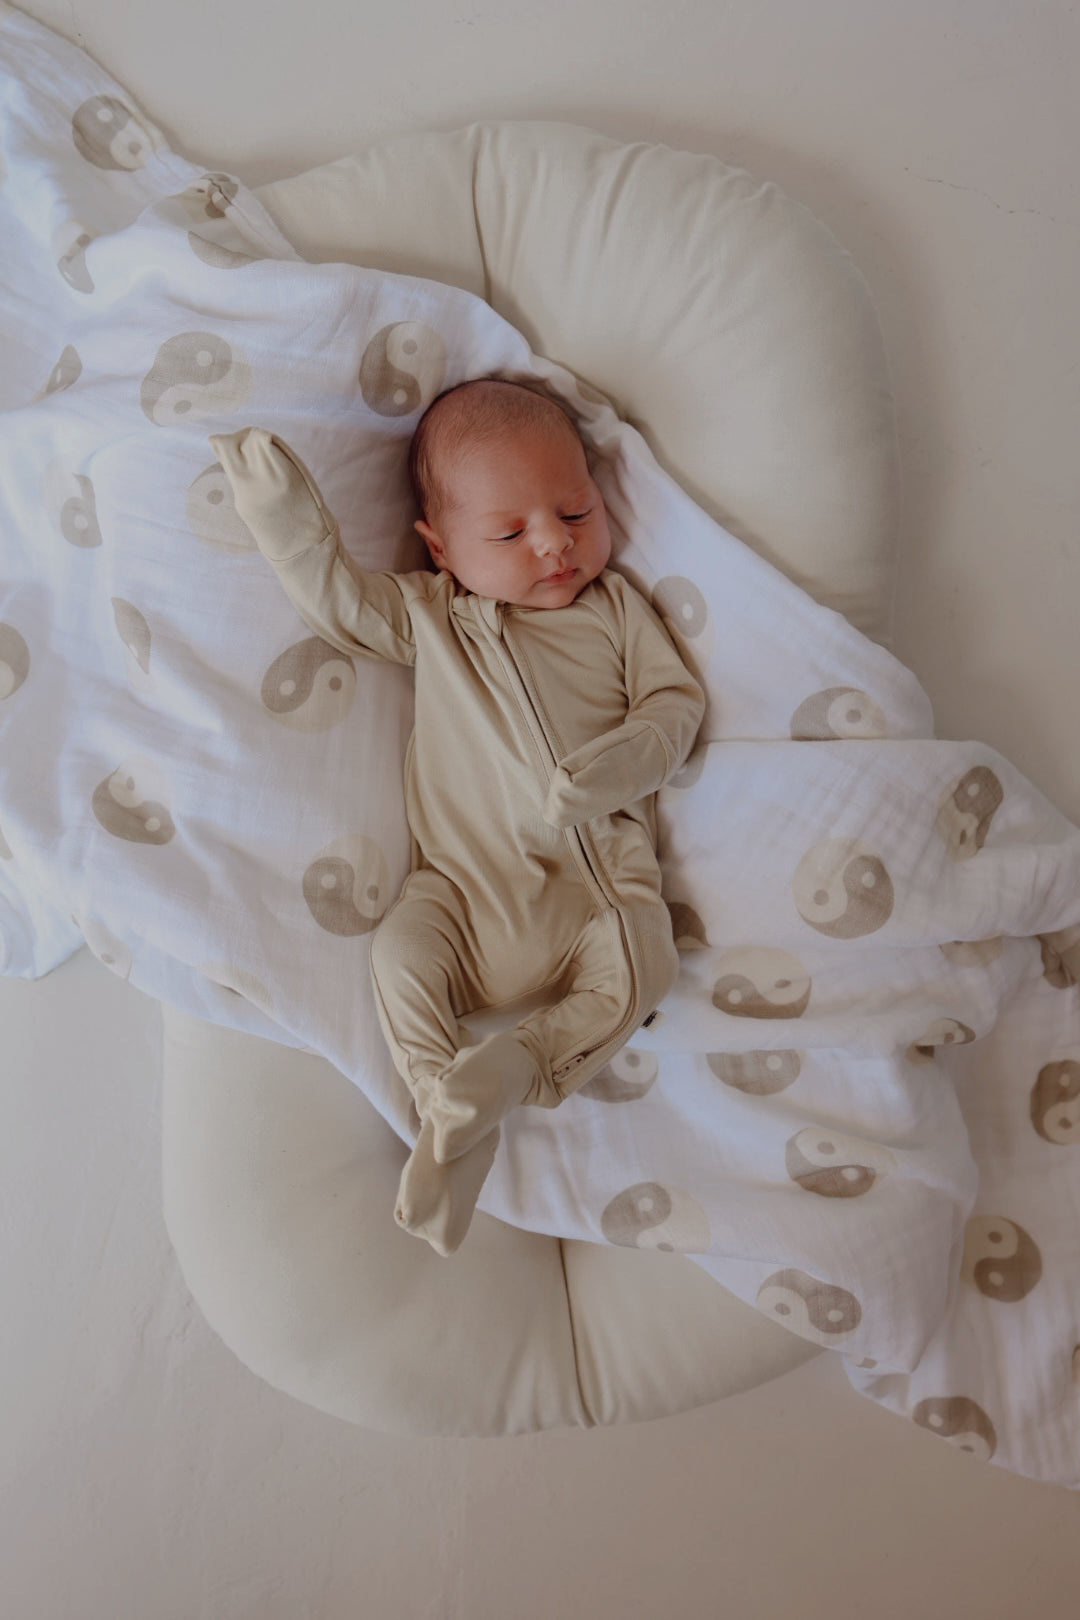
<point x="558" y="578"/>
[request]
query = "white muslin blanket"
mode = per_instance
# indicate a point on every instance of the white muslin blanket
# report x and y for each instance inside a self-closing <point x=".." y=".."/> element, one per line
<point x="859" y="1109"/>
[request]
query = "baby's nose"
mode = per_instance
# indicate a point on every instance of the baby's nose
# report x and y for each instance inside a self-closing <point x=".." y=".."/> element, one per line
<point x="553" y="539"/>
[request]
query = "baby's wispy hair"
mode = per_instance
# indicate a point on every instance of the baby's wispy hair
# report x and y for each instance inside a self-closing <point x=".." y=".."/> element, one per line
<point x="468" y="415"/>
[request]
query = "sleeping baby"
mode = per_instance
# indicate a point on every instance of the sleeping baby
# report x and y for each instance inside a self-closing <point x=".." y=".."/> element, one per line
<point x="550" y="706"/>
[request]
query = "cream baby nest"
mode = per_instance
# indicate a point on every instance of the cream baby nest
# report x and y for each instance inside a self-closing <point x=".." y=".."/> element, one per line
<point x="726" y="323"/>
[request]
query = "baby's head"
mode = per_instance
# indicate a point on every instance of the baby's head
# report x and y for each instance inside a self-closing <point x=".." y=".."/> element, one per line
<point x="509" y="505"/>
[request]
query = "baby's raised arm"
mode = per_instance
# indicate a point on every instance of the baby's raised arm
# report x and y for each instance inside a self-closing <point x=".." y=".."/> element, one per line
<point x="353" y="610"/>
<point x="665" y="709"/>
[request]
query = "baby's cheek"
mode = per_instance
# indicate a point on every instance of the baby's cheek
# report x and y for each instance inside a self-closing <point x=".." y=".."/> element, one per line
<point x="601" y="540"/>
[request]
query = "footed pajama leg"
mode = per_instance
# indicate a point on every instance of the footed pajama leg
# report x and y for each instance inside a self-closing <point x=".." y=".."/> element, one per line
<point x="426" y="975"/>
<point x="437" y="1201"/>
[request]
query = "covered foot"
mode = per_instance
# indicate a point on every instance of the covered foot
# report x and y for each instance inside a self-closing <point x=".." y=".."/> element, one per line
<point x="480" y="1088"/>
<point x="436" y="1201"/>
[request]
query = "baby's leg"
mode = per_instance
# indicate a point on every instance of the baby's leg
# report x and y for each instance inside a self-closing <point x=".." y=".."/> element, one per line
<point x="483" y="1084"/>
<point x="421" y="956"/>
<point x="623" y="963"/>
<point x="538" y="1062"/>
<point x="437" y="1201"/>
<point x="426" y="970"/>
<point x="423" y="967"/>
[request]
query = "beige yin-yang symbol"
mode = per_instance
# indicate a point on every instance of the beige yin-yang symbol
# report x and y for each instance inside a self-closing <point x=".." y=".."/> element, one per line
<point x="1055" y="1103"/>
<point x="134" y="633"/>
<point x="208" y="198"/>
<point x="942" y="1032"/>
<point x="685" y="612"/>
<point x="809" y="1307"/>
<point x="972" y="952"/>
<point x="14" y="660"/>
<point x="78" y="515"/>
<point x="965" y="811"/>
<point x="842" y="889"/>
<point x="759" y="1073"/>
<point x="959" y="1420"/>
<point x="1060" y="954"/>
<point x="838" y="711"/>
<point x="109" y="135"/>
<point x="402" y="368"/>
<point x="219" y="254"/>
<point x="347" y="886"/>
<point x="761" y="981"/>
<point x="109" y="950"/>
<point x="69" y="499"/>
<point x="194" y="374"/>
<point x="1055" y="968"/>
<point x="215" y="238"/>
<point x="1001" y="1260"/>
<point x="651" y="1216"/>
<point x="69" y="244"/>
<point x="67" y="370"/>
<point x="239" y="982"/>
<point x="835" y="1166"/>
<point x="133" y="803"/>
<point x="310" y="687"/>
<point x="210" y="509"/>
<point x="627" y="1077"/>
<point x="687" y="928"/>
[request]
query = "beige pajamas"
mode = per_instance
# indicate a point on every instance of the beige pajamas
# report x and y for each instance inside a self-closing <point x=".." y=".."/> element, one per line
<point x="541" y="737"/>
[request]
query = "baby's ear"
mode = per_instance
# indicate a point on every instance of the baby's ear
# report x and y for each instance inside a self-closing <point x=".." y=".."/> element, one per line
<point x="430" y="539"/>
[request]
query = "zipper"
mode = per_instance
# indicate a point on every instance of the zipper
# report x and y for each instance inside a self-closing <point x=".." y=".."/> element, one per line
<point x="580" y="842"/>
<point x="582" y="849"/>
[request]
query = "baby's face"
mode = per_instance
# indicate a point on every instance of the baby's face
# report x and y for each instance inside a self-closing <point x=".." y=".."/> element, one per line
<point x="529" y="526"/>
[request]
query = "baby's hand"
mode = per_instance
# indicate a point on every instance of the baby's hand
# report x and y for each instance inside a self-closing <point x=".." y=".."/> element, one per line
<point x="566" y="804"/>
<point x="606" y="775"/>
<point x="275" y="494"/>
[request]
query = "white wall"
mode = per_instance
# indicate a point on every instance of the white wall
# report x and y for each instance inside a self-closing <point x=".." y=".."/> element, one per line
<point x="143" y="1472"/>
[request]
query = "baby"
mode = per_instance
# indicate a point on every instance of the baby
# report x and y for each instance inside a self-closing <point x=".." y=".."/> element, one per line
<point x="550" y="706"/>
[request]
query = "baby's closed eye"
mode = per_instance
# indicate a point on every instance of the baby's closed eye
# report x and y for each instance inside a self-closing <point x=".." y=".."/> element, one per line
<point x="569" y="517"/>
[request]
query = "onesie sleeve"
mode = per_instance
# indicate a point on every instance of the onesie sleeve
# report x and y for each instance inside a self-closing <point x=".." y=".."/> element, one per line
<point x="353" y="610"/>
<point x="665" y="708"/>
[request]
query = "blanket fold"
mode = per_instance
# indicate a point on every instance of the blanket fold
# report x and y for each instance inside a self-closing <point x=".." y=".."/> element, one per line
<point x="859" y="1108"/>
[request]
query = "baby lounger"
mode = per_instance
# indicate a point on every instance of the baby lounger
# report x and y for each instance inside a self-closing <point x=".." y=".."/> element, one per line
<point x="724" y="322"/>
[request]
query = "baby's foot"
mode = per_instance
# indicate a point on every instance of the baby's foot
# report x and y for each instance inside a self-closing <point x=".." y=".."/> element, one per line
<point x="436" y="1201"/>
<point x="479" y="1089"/>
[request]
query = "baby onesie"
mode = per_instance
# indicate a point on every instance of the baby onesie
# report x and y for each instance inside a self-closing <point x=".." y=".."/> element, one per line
<point x="540" y="739"/>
